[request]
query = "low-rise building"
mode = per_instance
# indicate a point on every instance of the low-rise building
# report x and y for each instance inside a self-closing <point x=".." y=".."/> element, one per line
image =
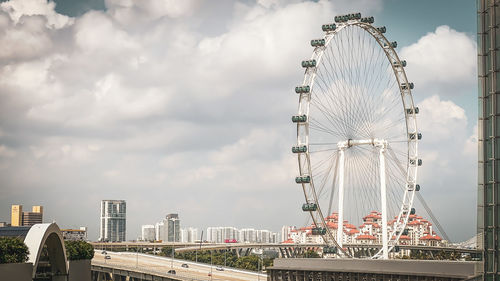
<point x="418" y="231"/>
<point x="79" y="234"/>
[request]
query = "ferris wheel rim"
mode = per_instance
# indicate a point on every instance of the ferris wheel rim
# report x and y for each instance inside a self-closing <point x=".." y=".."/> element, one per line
<point x="400" y="74"/>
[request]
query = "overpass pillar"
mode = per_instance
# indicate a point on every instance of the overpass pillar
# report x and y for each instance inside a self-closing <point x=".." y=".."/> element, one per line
<point x="117" y="277"/>
<point x="100" y="276"/>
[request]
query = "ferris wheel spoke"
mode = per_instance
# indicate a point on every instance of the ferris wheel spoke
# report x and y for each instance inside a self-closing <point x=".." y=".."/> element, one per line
<point x="329" y="96"/>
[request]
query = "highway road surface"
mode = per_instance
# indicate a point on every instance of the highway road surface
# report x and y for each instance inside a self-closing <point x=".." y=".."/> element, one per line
<point x="163" y="264"/>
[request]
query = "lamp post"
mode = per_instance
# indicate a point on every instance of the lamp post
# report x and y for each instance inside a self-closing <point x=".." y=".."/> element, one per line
<point x="173" y="243"/>
<point x="211" y="264"/>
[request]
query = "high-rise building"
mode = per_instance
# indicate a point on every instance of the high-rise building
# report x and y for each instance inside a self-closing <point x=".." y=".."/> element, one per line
<point x="31" y="218"/>
<point x="148" y="232"/>
<point x="173" y="227"/>
<point x="37" y="209"/>
<point x="169" y="229"/>
<point x="113" y="220"/>
<point x="20" y="218"/>
<point x="16" y="215"/>
<point x="189" y="235"/>
<point x="160" y="231"/>
<point x="488" y="224"/>
<point x="245" y="235"/>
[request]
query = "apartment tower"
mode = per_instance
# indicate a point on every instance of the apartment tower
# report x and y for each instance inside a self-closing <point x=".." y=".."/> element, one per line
<point x="113" y="220"/>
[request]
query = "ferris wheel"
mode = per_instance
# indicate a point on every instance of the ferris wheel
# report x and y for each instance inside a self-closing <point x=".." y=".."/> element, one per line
<point x="357" y="138"/>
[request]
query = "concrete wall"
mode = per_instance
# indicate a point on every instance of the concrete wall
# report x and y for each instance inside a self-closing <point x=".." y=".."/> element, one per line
<point x="434" y="268"/>
<point x="79" y="270"/>
<point x="16" y="271"/>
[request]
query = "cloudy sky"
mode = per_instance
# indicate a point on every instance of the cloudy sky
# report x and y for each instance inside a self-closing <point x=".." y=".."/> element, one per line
<point x="184" y="106"/>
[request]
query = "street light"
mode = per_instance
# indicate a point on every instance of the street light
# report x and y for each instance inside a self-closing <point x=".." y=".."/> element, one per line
<point x="137" y="256"/>
<point x="173" y="251"/>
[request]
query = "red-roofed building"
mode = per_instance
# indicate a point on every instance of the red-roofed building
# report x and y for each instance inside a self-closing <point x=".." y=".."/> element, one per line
<point x="366" y="239"/>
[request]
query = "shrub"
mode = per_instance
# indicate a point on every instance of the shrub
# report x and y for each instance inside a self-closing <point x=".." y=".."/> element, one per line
<point x="13" y="250"/>
<point x="79" y="250"/>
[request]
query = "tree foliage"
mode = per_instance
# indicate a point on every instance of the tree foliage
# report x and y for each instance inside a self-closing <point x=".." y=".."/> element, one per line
<point x="218" y="258"/>
<point x="13" y="250"/>
<point x="79" y="250"/>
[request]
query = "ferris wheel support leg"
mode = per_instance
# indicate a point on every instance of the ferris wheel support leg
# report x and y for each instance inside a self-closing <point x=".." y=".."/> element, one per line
<point x="383" y="199"/>
<point x="340" y="221"/>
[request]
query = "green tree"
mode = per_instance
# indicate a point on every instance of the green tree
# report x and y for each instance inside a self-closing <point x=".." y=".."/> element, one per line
<point x="13" y="250"/>
<point x="248" y="262"/>
<point x="79" y="250"/>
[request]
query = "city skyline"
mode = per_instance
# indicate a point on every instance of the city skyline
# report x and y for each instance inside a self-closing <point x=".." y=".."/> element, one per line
<point x="85" y="121"/>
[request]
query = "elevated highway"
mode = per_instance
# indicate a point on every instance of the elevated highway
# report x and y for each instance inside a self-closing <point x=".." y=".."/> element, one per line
<point x="138" y="267"/>
<point x="284" y="250"/>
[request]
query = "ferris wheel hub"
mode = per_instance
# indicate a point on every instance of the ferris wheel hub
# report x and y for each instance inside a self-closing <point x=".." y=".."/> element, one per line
<point x="374" y="142"/>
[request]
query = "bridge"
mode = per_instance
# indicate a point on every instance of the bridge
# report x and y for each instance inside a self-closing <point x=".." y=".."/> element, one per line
<point x="129" y="266"/>
<point x="285" y="250"/>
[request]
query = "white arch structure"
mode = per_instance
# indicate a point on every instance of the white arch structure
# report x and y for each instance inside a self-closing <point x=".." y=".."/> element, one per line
<point x="50" y="235"/>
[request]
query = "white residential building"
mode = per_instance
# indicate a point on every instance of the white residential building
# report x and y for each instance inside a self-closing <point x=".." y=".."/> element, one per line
<point x="148" y="232"/>
<point x="246" y="235"/>
<point x="189" y="235"/>
<point x="113" y="221"/>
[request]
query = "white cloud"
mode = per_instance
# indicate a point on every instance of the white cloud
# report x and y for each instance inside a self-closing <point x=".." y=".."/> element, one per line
<point x="441" y="120"/>
<point x="19" y="9"/>
<point x="444" y="56"/>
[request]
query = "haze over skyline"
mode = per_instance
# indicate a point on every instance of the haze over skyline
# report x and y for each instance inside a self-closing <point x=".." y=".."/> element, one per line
<point x="184" y="107"/>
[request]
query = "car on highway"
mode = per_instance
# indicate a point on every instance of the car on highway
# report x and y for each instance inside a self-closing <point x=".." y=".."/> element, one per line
<point x="219" y="268"/>
<point x="185" y="265"/>
<point x="171" y="271"/>
<point x="107" y="257"/>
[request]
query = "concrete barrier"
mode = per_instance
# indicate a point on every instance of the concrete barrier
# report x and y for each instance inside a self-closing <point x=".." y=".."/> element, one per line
<point x="79" y="270"/>
<point x="16" y="271"/>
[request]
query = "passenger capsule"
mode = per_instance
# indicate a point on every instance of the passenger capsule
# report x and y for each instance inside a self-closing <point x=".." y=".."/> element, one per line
<point x="318" y="42"/>
<point x="397" y="64"/>
<point x="412" y="212"/>
<point x="328" y="27"/>
<point x="302" y="89"/>
<point x="381" y="29"/>
<point x="303" y="179"/>
<point x="309" y="207"/>
<point x="413" y="136"/>
<point x="308" y="63"/>
<point x="405" y="86"/>
<point x="412" y="110"/>
<point x="416" y="162"/>
<point x="318" y="231"/>
<point x="417" y="187"/>
<point x="393" y="44"/>
<point x="299" y="149"/>
<point x="368" y="20"/>
<point x="405" y="232"/>
<point x="299" y="118"/>
<point x="329" y="250"/>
